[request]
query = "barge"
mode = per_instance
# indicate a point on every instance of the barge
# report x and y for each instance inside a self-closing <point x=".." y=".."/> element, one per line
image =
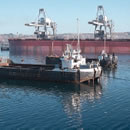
<point x="71" y="67"/>
<point x="45" y="74"/>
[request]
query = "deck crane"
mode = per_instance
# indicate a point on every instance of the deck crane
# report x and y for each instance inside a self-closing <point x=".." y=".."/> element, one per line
<point x="44" y="27"/>
<point x="103" y="26"/>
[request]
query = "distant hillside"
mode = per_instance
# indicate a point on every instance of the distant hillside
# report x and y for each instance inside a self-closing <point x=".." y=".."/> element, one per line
<point x="124" y="35"/>
<point x="4" y="37"/>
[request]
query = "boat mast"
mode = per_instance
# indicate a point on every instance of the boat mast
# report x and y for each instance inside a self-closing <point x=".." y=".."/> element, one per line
<point x="78" y="44"/>
<point x="105" y="38"/>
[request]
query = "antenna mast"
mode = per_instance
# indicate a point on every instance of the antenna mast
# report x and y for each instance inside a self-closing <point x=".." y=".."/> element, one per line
<point x="78" y="44"/>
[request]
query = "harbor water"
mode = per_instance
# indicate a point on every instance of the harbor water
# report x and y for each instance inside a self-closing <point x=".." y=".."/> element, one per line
<point x="45" y="105"/>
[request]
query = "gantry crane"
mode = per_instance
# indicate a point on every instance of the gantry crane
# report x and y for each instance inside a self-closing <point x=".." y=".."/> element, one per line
<point x="43" y="26"/>
<point x="103" y="26"/>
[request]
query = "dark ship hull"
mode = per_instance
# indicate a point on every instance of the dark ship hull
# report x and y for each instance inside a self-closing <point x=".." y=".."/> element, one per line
<point x="45" y="73"/>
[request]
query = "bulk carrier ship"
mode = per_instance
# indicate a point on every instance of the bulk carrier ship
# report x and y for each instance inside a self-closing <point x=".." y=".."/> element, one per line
<point x="47" y="44"/>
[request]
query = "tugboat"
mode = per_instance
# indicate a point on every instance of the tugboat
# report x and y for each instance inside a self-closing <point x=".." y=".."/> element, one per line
<point x="108" y="60"/>
<point x="72" y="62"/>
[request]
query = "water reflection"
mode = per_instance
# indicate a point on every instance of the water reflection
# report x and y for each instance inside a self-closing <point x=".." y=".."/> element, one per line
<point x="108" y="75"/>
<point x="71" y="96"/>
<point x="74" y="100"/>
<point x="81" y="93"/>
<point x="110" y="72"/>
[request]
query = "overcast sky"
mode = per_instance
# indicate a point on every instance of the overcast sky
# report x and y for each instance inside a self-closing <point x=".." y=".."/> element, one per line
<point x="15" y="13"/>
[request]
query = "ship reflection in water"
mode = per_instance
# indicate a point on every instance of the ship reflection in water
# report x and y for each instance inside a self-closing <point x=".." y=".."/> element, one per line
<point x="70" y="96"/>
<point x="74" y="100"/>
<point x="81" y="94"/>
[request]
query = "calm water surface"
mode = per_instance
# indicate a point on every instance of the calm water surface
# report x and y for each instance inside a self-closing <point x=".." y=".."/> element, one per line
<point x="44" y="105"/>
